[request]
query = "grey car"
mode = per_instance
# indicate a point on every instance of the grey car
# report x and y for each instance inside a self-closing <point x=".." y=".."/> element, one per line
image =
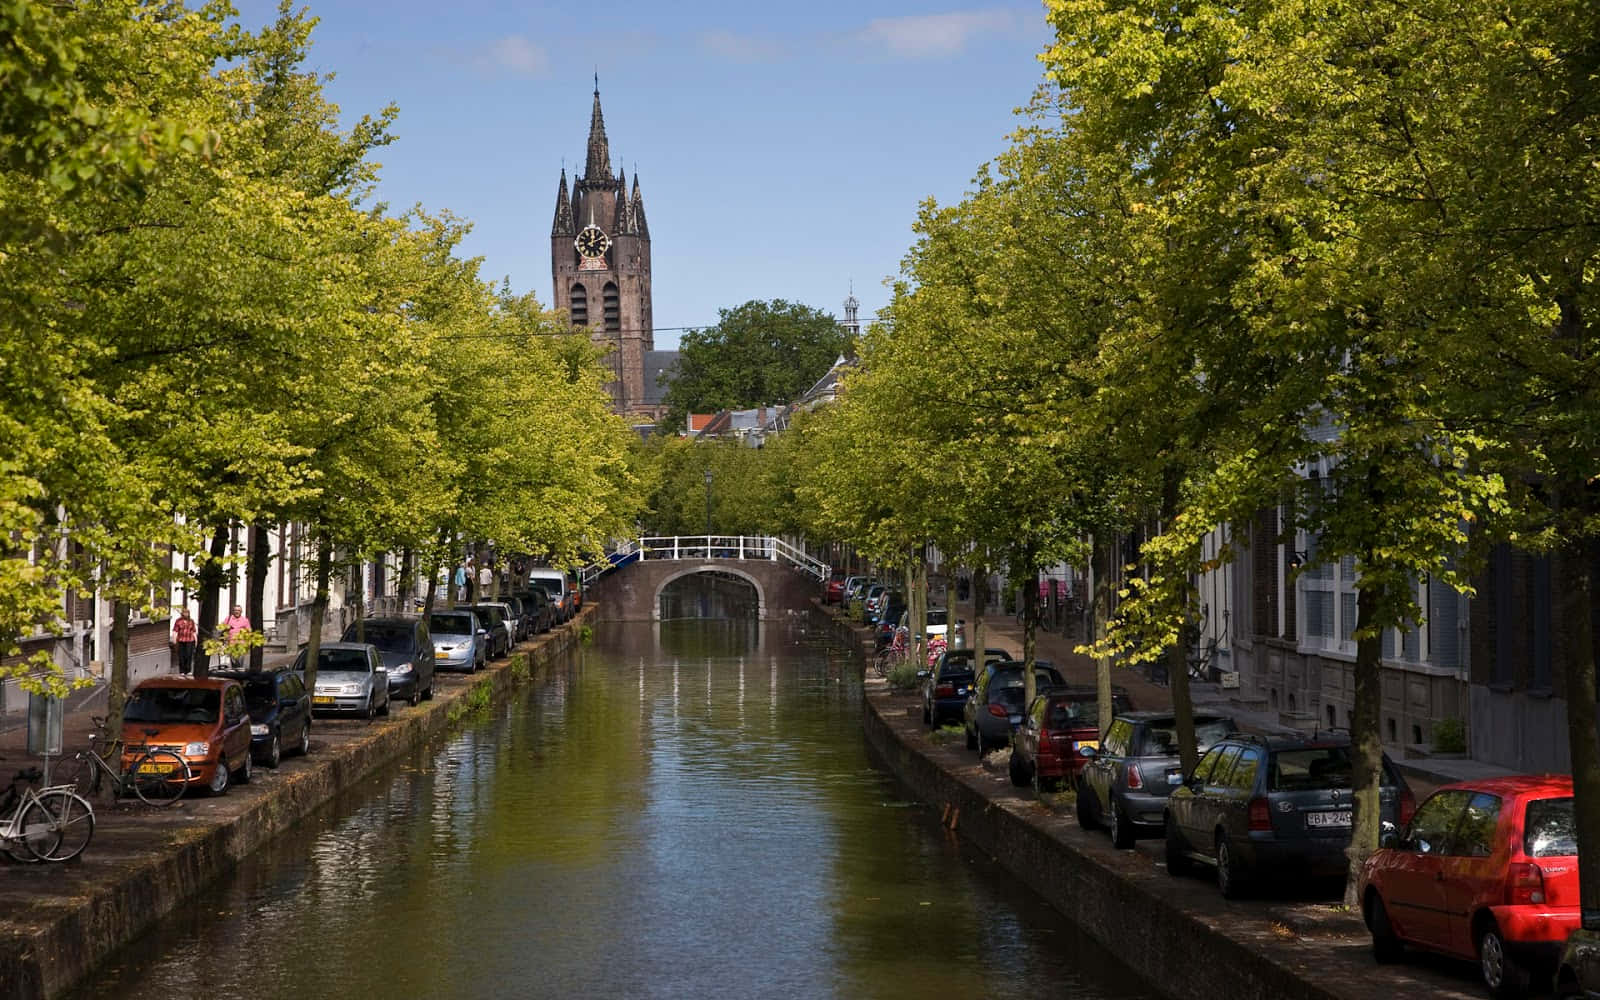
<point x="406" y="650"/>
<point x="1125" y="783"/>
<point x="351" y="678"/>
<point x="994" y="702"/>
<point x="459" y="642"/>
<point x="495" y="619"/>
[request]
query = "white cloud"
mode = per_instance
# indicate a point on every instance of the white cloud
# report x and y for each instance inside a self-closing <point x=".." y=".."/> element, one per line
<point x="921" y="36"/>
<point x="739" y="48"/>
<point x="515" y="54"/>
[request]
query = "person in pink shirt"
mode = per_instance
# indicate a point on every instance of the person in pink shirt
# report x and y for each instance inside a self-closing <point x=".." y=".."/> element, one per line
<point x="232" y="626"/>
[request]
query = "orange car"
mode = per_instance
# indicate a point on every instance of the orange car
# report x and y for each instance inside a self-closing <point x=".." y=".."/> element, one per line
<point x="202" y="720"/>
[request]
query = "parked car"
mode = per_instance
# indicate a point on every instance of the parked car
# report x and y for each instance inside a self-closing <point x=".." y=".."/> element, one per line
<point x="280" y="712"/>
<point x="1258" y="805"/>
<point x="855" y="595"/>
<point x="891" y="607"/>
<point x="563" y="596"/>
<point x="203" y="720"/>
<point x="350" y="678"/>
<point x="1126" y="780"/>
<point x="1485" y="871"/>
<point x="945" y="684"/>
<point x="523" y="610"/>
<point x="873" y="600"/>
<point x="493" y="618"/>
<point x="542" y="609"/>
<point x="407" y="651"/>
<point x="459" y="640"/>
<point x="833" y="592"/>
<point x="1060" y="726"/>
<point x="994" y="702"/>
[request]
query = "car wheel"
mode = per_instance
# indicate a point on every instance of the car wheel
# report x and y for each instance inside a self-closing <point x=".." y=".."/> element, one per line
<point x="305" y="738"/>
<point x="1386" y="947"/>
<point x="219" y="778"/>
<point x="1178" y="862"/>
<point x="368" y="712"/>
<point x="416" y="696"/>
<point x="1502" y="974"/>
<point x="1086" y="813"/>
<point x="1230" y="879"/>
<point x="274" y="751"/>
<point x="428" y="694"/>
<point x="246" y="770"/>
<point x="384" y="711"/>
<point x="1018" y="778"/>
<point x="972" y="741"/>
<point x="927" y="716"/>
<point x="1118" y="826"/>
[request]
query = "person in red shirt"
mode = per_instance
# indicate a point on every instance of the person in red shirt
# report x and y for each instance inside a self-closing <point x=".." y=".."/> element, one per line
<point x="184" y="634"/>
<point x="232" y="626"/>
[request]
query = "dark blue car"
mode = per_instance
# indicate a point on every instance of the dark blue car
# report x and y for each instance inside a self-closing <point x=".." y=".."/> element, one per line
<point x="280" y="712"/>
<point x="945" y="686"/>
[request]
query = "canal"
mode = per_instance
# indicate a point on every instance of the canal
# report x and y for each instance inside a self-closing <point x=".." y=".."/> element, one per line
<point x="685" y="810"/>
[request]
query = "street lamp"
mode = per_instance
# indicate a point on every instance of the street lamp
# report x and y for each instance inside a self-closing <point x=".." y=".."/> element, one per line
<point x="708" y="508"/>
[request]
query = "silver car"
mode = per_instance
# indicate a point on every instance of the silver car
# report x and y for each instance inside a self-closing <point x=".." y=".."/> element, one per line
<point x="459" y="641"/>
<point x="351" y="678"/>
<point x="1126" y="780"/>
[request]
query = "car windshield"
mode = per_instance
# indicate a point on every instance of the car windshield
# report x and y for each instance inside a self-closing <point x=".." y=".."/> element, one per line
<point x="1311" y="769"/>
<point x="450" y="625"/>
<point x="395" y="638"/>
<point x="350" y="661"/>
<point x="551" y="587"/>
<point x="1161" y="739"/>
<point x="260" y="689"/>
<point x="1551" y="830"/>
<point x="491" y="615"/>
<point x="160" y="704"/>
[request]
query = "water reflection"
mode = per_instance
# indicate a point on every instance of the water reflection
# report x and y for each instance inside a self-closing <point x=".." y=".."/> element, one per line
<point x="657" y="820"/>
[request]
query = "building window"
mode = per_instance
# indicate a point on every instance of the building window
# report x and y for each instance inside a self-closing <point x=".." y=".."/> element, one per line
<point x="613" y="308"/>
<point x="579" y="306"/>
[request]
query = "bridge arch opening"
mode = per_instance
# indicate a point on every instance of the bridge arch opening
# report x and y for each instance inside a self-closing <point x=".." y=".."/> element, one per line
<point x="718" y="592"/>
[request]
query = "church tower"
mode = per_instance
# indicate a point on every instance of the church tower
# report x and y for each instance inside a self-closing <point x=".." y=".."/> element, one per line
<point x="600" y="262"/>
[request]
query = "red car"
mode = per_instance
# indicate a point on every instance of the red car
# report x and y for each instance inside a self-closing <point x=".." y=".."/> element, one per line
<point x="834" y="594"/>
<point x="1486" y="871"/>
<point x="1047" y="747"/>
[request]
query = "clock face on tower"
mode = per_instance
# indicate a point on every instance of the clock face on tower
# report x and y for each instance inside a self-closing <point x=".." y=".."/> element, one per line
<point x="591" y="242"/>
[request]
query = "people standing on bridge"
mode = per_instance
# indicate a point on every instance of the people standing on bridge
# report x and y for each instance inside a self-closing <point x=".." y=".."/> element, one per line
<point x="485" y="581"/>
<point x="461" y="582"/>
<point x="186" y="637"/>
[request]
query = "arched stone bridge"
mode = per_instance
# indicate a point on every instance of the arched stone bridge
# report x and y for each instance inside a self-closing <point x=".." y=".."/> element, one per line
<point x="630" y="585"/>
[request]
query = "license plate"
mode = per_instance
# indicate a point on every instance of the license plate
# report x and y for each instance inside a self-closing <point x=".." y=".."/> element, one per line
<point x="441" y="656"/>
<point x="1016" y="720"/>
<point x="961" y="691"/>
<point x="157" y="768"/>
<point x="1341" y="818"/>
<point x="323" y="699"/>
<point x="1091" y="744"/>
<point x="1174" y="777"/>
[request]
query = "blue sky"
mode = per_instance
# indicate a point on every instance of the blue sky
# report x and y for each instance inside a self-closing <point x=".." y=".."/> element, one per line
<point x="782" y="149"/>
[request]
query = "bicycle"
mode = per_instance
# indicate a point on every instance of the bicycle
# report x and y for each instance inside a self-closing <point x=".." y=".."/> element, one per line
<point x="53" y="825"/>
<point x="157" y="776"/>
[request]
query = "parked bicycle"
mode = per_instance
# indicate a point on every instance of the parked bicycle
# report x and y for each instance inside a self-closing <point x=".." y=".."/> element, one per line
<point x="53" y="825"/>
<point x="157" y="776"/>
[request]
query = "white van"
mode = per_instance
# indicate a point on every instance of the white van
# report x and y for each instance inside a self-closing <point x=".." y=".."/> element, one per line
<point x="555" y="583"/>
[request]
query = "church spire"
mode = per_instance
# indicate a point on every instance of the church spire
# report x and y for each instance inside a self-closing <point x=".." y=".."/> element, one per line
<point x="598" y="167"/>
<point x="563" y="223"/>
<point x="619" y="220"/>
<point x="636" y="210"/>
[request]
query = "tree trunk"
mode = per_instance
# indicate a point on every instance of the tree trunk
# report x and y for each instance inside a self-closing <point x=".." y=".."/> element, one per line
<point x="1366" y="743"/>
<point x="980" y="603"/>
<point x="117" y="690"/>
<point x="1178" y="655"/>
<point x="1030" y="634"/>
<point x="210" y="582"/>
<point x="408" y="577"/>
<point x="360" y="602"/>
<point x="1099" y="566"/>
<point x="950" y="613"/>
<point x="319" y="610"/>
<point x="256" y="586"/>
<point x="1576" y="607"/>
<point x="918" y="607"/>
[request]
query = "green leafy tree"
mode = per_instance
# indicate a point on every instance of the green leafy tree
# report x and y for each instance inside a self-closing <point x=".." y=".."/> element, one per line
<point x="758" y="354"/>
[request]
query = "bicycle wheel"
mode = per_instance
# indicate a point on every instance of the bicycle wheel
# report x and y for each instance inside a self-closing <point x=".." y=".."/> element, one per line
<point x="36" y="834"/>
<point x="77" y="771"/>
<point x="159" y="777"/>
<point x="72" y="818"/>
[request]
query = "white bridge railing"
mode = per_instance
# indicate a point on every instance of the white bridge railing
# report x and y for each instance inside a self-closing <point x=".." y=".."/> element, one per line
<point x="704" y="547"/>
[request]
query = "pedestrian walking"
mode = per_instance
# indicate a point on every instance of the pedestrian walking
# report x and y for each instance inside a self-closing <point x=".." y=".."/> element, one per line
<point x="461" y="583"/>
<point x="485" y="581"/>
<point x="231" y="627"/>
<point x="186" y="637"/>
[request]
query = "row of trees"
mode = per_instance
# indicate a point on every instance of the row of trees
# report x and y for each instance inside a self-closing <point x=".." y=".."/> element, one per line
<point x="1232" y="246"/>
<point x="206" y="322"/>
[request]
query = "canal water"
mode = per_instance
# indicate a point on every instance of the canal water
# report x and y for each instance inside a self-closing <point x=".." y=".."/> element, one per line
<point x="685" y="810"/>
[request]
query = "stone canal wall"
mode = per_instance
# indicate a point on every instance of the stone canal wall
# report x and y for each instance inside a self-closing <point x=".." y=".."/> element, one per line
<point x="144" y="865"/>
<point x="1178" y="934"/>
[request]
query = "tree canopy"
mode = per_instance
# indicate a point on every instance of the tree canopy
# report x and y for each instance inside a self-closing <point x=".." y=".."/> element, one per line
<point x="758" y="354"/>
